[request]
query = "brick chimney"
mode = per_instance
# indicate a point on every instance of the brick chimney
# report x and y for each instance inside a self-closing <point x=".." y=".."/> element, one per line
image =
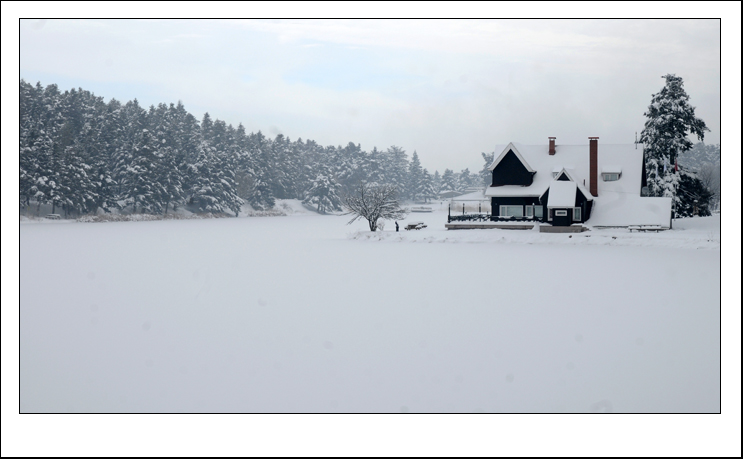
<point x="593" y="165"/>
<point x="552" y="145"/>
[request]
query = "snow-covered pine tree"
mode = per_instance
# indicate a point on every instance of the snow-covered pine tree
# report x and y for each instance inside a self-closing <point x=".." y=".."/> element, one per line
<point x="397" y="169"/>
<point x="486" y="176"/>
<point x="46" y="149"/>
<point x="427" y="187"/>
<point x="143" y="189"/>
<point x="670" y="119"/>
<point x="464" y="180"/>
<point x="415" y="178"/>
<point x="260" y="194"/>
<point x="107" y="132"/>
<point x="693" y="197"/>
<point x="130" y="122"/>
<point x="212" y="179"/>
<point x="374" y="166"/>
<point x="169" y="158"/>
<point x="436" y="183"/>
<point x="225" y="178"/>
<point x="33" y="142"/>
<point x="283" y="168"/>
<point x="448" y="181"/>
<point x="349" y="162"/>
<point x="324" y="193"/>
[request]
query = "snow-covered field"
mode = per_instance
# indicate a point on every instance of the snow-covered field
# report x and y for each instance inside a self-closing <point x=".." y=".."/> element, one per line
<point x="303" y="313"/>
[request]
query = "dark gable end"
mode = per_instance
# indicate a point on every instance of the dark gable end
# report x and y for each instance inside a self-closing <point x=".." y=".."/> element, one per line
<point x="563" y="178"/>
<point x="511" y="171"/>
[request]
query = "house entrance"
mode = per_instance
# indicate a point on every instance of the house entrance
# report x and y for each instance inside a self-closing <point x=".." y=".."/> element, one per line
<point x="562" y="217"/>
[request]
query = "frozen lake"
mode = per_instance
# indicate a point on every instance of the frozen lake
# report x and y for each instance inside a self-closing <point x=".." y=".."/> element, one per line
<point x="306" y="314"/>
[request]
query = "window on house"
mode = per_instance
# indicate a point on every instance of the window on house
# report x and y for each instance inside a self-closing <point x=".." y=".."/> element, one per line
<point x="530" y="211"/>
<point x="576" y="214"/>
<point x="561" y="213"/>
<point x="610" y="177"/>
<point x="511" y="211"/>
<point x="538" y="211"/>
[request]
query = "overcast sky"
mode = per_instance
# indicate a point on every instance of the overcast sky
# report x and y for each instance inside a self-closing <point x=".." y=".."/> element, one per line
<point x="448" y="89"/>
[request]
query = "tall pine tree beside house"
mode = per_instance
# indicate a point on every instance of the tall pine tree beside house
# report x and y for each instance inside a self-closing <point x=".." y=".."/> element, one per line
<point x="670" y="119"/>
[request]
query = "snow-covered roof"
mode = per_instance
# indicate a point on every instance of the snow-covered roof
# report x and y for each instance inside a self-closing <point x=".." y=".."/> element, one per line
<point x="611" y="169"/>
<point x="474" y="196"/>
<point x="573" y="158"/>
<point x="619" y="209"/>
<point x="562" y="194"/>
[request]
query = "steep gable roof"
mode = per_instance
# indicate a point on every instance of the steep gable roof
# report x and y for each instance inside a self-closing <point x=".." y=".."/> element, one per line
<point x="562" y="194"/>
<point x="510" y="147"/>
<point x="564" y="171"/>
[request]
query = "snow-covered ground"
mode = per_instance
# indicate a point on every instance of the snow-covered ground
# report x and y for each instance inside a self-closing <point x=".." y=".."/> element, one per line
<point x="303" y="313"/>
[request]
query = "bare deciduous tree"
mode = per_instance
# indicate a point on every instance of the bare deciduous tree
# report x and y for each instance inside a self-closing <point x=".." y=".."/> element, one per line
<point x="373" y="202"/>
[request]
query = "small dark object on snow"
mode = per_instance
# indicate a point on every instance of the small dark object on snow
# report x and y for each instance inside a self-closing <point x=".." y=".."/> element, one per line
<point x="416" y="226"/>
<point x="397" y="227"/>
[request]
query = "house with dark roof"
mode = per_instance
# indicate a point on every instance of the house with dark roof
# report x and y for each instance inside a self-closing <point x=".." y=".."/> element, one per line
<point x="564" y="185"/>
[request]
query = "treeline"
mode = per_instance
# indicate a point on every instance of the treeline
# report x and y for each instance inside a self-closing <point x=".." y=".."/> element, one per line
<point x="80" y="154"/>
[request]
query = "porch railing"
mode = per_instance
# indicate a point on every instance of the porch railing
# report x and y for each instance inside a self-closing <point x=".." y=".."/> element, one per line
<point x="490" y="218"/>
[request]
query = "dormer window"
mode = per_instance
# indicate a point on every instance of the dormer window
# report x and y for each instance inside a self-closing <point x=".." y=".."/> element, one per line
<point x="611" y="173"/>
<point x="610" y="177"/>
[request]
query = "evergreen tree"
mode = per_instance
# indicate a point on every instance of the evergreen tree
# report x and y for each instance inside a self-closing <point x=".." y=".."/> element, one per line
<point x="260" y="195"/>
<point x="427" y="189"/>
<point x="324" y="194"/>
<point x="693" y="197"/>
<point x="448" y="181"/>
<point x="397" y="169"/>
<point x="374" y="167"/>
<point x="101" y="161"/>
<point x="486" y="176"/>
<point x="463" y="180"/>
<point x="35" y="142"/>
<point x="670" y="118"/>
<point x="143" y="191"/>
<point x="415" y="186"/>
<point x="436" y="184"/>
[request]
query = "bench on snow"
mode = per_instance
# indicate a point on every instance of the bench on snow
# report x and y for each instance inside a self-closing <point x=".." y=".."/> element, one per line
<point x="53" y="216"/>
<point x="415" y="226"/>
<point x="643" y="228"/>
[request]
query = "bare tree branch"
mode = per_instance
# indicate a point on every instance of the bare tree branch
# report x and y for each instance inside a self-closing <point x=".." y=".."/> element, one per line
<point x="373" y="202"/>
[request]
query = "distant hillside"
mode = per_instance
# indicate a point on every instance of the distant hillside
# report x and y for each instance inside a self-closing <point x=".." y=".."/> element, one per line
<point x="699" y="156"/>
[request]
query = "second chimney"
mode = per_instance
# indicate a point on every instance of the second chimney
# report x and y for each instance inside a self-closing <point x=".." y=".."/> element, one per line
<point x="593" y="165"/>
<point x="552" y="145"/>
